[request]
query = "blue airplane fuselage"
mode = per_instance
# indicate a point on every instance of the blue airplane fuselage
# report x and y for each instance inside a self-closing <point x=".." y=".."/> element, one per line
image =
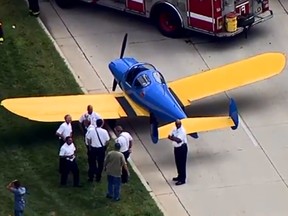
<point x="153" y="95"/>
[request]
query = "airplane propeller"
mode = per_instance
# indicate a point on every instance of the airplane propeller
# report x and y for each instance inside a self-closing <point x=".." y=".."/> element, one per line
<point x="121" y="56"/>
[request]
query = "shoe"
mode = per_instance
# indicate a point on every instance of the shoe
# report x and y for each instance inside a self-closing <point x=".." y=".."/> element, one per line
<point x="116" y="200"/>
<point x="35" y="14"/>
<point x="180" y="183"/>
<point x="90" y="180"/>
<point x="175" y="179"/>
<point x="108" y="196"/>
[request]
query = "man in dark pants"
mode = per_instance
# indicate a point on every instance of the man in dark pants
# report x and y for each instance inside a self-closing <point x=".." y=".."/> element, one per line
<point x="125" y="140"/>
<point x="34" y="9"/>
<point x="96" y="140"/>
<point x="179" y="140"/>
<point x="67" y="152"/>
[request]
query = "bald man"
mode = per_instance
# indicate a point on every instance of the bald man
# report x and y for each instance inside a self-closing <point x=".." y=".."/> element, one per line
<point x="91" y="116"/>
<point x="179" y="141"/>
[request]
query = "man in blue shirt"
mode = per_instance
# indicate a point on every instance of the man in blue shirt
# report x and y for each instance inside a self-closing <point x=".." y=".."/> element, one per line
<point x="19" y="192"/>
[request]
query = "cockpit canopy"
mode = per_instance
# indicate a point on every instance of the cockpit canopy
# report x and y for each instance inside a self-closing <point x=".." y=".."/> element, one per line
<point x="143" y="80"/>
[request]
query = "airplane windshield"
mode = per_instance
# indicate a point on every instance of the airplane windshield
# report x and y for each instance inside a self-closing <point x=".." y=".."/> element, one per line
<point x="142" y="81"/>
<point x="158" y="77"/>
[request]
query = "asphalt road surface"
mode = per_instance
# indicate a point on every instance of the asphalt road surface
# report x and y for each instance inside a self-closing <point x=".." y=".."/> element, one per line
<point x="230" y="173"/>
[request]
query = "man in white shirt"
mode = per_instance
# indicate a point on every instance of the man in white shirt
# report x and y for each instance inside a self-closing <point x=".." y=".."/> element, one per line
<point x="179" y="141"/>
<point x="69" y="164"/>
<point x="90" y="115"/>
<point x="64" y="130"/>
<point x="96" y="140"/>
<point x="126" y="141"/>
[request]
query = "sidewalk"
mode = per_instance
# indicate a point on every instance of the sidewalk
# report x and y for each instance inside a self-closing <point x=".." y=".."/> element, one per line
<point x="90" y="82"/>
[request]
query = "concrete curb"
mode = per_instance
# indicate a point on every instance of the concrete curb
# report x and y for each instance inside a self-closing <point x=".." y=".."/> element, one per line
<point x="135" y="169"/>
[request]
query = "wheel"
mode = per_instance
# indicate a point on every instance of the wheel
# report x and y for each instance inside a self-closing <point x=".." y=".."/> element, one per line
<point x="168" y="22"/>
<point x="65" y="3"/>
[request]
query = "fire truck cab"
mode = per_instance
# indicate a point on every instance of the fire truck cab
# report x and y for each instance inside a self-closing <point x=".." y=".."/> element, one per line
<point x="220" y="18"/>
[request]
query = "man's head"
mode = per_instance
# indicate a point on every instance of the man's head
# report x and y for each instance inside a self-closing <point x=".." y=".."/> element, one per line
<point x="118" y="130"/>
<point x="117" y="146"/>
<point x="178" y="123"/>
<point x="67" y="118"/>
<point x="99" y="122"/>
<point x="16" y="184"/>
<point x="90" y="109"/>
<point x="69" y="140"/>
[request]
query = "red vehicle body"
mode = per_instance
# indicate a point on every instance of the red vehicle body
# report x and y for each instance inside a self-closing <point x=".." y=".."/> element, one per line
<point x="221" y="18"/>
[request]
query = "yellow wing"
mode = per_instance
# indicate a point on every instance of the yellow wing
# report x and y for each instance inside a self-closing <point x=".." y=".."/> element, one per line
<point x="53" y="108"/>
<point x="228" y="77"/>
<point x="200" y="124"/>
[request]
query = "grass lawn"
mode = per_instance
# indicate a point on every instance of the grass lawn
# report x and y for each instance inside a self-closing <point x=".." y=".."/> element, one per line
<point x="30" y="66"/>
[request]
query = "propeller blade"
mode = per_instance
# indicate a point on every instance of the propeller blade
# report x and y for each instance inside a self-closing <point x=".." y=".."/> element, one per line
<point x="114" y="85"/>
<point x="123" y="45"/>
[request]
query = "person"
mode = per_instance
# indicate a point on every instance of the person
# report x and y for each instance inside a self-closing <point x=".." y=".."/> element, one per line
<point x="34" y="9"/>
<point x="179" y="141"/>
<point x="97" y="140"/>
<point x="1" y="33"/>
<point x="67" y="153"/>
<point x="89" y="115"/>
<point x="126" y="141"/>
<point x="114" y="163"/>
<point x="64" y="130"/>
<point x="19" y="192"/>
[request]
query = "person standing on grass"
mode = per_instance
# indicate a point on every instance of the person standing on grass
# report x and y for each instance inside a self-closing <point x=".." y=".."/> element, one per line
<point x="64" y="130"/>
<point x="69" y="164"/>
<point x="34" y="9"/>
<point x="114" y="162"/>
<point x="19" y="193"/>
<point x="91" y="116"/>
<point x="126" y="141"/>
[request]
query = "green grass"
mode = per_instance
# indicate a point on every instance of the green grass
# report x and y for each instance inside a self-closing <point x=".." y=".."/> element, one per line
<point x="30" y="66"/>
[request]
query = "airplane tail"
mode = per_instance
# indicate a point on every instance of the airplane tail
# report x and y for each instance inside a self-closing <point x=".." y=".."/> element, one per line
<point x="201" y="124"/>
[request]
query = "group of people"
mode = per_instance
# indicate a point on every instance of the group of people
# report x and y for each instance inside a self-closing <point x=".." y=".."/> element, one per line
<point x="114" y="163"/>
<point x="96" y="140"/>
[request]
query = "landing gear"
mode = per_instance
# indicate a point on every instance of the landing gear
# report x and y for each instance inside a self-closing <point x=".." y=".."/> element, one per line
<point x="153" y="128"/>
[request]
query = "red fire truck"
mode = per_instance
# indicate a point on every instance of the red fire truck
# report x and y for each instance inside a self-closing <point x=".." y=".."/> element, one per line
<point x="221" y="18"/>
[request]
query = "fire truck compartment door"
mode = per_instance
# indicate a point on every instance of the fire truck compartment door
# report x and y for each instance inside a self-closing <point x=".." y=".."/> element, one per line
<point x="136" y="5"/>
<point x="200" y="14"/>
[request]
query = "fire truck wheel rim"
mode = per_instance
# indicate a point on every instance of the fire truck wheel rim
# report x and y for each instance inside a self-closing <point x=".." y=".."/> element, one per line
<point x="166" y="22"/>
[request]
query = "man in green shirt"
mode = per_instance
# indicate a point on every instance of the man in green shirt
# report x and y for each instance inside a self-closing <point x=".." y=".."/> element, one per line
<point x="114" y="162"/>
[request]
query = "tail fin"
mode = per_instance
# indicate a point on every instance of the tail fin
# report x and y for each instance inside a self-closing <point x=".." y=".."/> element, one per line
<point x="233" y="113"/>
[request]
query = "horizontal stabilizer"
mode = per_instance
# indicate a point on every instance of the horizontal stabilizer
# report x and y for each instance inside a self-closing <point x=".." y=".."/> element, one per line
<point x="199" y="124"/>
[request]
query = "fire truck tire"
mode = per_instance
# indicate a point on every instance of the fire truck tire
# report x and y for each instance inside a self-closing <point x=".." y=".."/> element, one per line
<point x="65" y="4"/>
<point x="168" y="22"/>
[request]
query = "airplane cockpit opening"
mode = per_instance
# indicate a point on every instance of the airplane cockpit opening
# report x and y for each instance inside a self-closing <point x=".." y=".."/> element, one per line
<point x="142" y="81"/>
<point x="136" y="69"/>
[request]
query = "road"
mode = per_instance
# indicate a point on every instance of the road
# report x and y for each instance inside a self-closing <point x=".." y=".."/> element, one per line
<point x="231" y="173"/>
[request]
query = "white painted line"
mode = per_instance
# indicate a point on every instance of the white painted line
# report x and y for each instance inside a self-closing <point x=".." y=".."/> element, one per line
<point x="200" y="17"/>
<point x="138" y="1"/>
<point x="248" y="131"/>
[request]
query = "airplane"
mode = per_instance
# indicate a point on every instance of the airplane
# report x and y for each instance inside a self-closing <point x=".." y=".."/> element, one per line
<point x="145" y="93"/>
